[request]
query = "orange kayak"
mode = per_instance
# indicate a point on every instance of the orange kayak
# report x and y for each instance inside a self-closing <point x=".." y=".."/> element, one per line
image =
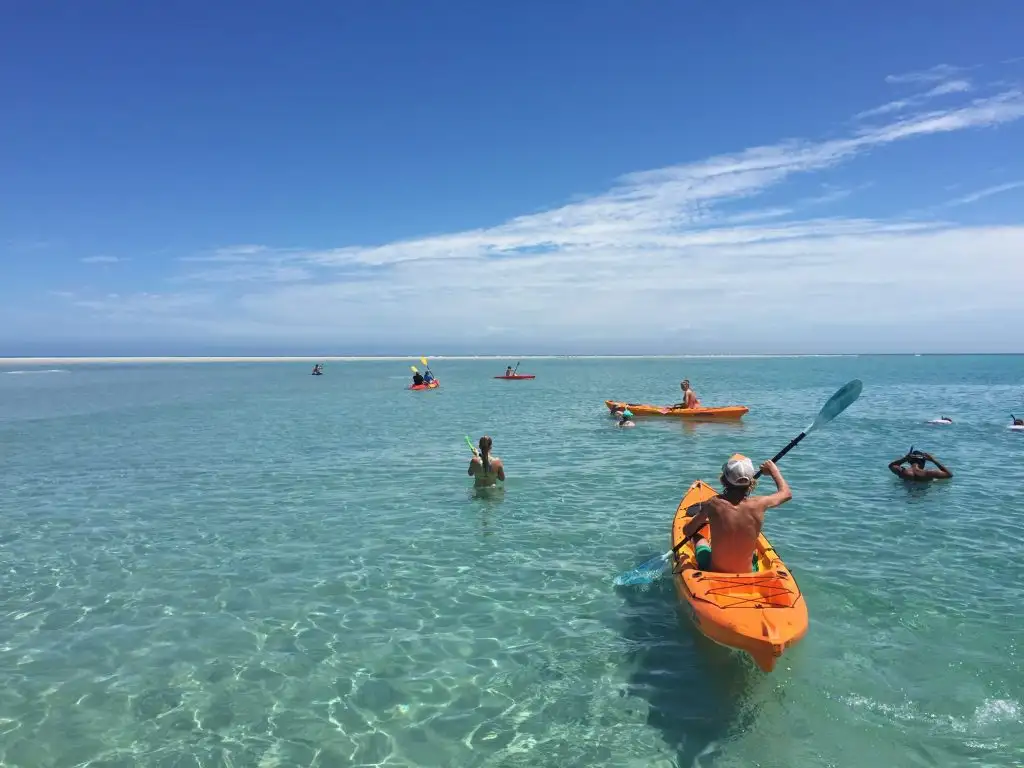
<point x="761" y="613"/>
<point x="432" y="385"/>
<point x="725" y="413"/>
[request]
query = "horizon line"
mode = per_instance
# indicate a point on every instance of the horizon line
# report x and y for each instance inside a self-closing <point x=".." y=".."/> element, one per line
<point x="170" y="359"/>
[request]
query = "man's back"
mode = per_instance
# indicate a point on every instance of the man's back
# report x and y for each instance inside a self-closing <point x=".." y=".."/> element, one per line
<point x="734" y="532"/>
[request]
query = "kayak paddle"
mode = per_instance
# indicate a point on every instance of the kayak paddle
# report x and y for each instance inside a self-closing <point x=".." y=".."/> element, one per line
<point x="516" y="368"/>
<point x="653" y="569"/>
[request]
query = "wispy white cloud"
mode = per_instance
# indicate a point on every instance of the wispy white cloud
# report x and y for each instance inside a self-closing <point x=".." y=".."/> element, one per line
<point x="899" y="105"/>
<point x="981" y="194"/>
<point x="930" y="75"/>
<point x="663" y="252"/>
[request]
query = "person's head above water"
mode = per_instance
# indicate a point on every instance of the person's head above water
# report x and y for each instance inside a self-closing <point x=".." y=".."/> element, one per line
<point x="916" y="459"/>
<point x="485" y="444"/>
<point x="626" y="415"/>
<point x="738" y="474"/>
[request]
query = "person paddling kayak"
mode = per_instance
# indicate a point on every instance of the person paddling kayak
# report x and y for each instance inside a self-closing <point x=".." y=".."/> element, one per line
<point x="484" y="468"/>
<point x="508" y="372"/>
<point x="417" y="378"/>
<point x="689" y="396"/>
<point x="915" y="469"/>
<point x="736" y="517"/>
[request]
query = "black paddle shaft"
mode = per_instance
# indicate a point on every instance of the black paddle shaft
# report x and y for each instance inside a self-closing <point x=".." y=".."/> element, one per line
<point x="784" y="451"/>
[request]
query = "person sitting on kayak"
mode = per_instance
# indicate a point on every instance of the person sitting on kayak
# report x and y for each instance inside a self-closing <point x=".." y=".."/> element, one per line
<point x="626" y="419"/>
<point x="427" y="376"/>
<point x="1018" y="422"/>
<point x="736" y="517"/>
<point x="689" y="396"/>
<point x="508" y="372"/>
<point x="915" y="469"/>
<point x="417" y="379"/>
<point x="486" y="469"/>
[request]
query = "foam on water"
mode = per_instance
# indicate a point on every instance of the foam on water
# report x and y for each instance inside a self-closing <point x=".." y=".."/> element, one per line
<point x="245" y="565"/>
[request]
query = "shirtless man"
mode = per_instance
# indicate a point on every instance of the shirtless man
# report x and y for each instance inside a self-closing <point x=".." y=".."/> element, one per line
<point x="915" y="469"/>
<point x="486" y="469"/>
<point x="736" y="517"/>
<point x="689" y="396"/>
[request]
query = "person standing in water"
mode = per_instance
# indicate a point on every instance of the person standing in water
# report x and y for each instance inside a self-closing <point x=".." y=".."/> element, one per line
<point x="689" y="396"/>
<point x="736" y="517"/>
<point x="915" y="469"/>
<point x="626" y="419"/>
<point x="485" y="468"/>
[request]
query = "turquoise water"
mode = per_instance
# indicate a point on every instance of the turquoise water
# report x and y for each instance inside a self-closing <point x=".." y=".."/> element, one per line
<point x="244" y="565"/>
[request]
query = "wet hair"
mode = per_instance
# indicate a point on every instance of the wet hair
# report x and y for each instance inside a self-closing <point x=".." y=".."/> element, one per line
<point x="485" y="449"/>
<point x="730" y="488"/>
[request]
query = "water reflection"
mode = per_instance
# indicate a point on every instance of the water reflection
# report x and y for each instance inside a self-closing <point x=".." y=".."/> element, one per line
<point x="700" y="695"/>
<point x="487" y="499"/>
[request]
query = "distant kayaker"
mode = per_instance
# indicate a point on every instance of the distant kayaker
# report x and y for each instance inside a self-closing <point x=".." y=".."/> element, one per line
<point x="427" y="376"/>
<point x="486" y="469"/>
<point x="689" y="396"/>
<point x="916" y="470"/>
<point x="1018" y="422"/>
<point x="626" y="419"/>
<point x="736" y="517"/>
<point x="508" y="372"/>
<point x="417" y="379"/>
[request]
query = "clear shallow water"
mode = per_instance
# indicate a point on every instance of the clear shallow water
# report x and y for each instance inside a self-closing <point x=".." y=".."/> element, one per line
<point x="247" y="565"/>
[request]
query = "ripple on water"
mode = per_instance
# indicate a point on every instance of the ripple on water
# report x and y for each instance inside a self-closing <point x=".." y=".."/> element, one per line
<point x="232" y="565"/>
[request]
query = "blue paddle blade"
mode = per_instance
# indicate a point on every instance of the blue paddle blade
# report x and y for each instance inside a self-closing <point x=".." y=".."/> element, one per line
<point x="645" y="573"/>
<point x="838" y="403"/>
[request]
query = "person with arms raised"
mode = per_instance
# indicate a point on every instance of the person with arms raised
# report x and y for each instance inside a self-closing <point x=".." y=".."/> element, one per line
<point x="916" y="469"/>
<point x="736" y="517"/>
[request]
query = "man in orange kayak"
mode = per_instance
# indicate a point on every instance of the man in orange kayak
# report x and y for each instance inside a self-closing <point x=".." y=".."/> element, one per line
<point x="736" y="517"/>
<point x="484" y="468"/>
<point x="689" y="396"/>
<point x="915" y="469"/>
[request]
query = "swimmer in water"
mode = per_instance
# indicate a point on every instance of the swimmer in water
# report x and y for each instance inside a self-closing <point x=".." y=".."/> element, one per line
<point x="916" y="470"/>
<point x="485" y="468"/>
<point x="626" y="419"/>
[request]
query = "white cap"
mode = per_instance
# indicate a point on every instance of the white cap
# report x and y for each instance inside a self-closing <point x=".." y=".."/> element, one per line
<point x="738" y="470"/>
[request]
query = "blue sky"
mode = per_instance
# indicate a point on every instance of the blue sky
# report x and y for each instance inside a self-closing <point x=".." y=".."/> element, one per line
<point x="549" y="177"/>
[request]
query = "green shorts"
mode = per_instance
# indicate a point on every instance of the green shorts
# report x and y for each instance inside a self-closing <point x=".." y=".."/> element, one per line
<point x="703" y="556"/>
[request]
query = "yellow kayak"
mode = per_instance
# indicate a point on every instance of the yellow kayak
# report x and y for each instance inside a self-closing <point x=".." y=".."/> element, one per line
<point x="761" y="613"/>
<point x="724" y="413"/>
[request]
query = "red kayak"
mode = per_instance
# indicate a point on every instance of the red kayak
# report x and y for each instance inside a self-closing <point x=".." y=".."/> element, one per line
<point x="432" y="385"/>
<point x="517" y="376"/>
